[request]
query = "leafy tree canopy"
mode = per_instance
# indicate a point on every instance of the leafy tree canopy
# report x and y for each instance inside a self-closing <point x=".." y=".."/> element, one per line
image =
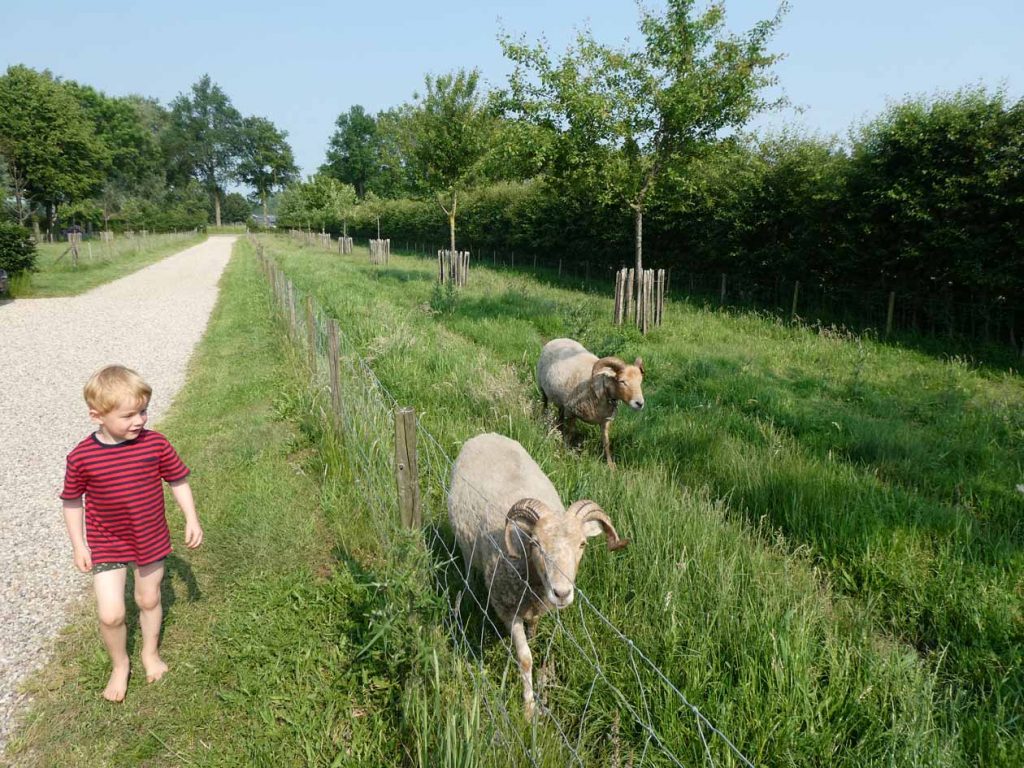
<point x="48" y="142"/>
<point x="204" y="140"/>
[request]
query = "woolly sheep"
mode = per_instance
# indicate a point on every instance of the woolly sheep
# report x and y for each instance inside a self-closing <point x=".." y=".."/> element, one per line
<point x="513" y="530"/>
<point x="585" y="387"/>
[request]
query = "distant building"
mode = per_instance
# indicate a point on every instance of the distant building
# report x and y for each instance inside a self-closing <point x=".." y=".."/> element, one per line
<point x="270" y="221"/>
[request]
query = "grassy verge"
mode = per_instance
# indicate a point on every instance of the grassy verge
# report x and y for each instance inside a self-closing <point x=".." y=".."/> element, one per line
<point x="827" y="530"/>
<point x="98" y="263"/>
<point x="283" y="650"/>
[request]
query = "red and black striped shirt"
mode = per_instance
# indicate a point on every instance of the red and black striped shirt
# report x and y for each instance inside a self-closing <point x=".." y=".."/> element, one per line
<point x="124" y="498"/>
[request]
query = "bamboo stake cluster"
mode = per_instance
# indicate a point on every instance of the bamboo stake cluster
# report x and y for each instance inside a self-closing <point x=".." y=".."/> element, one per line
<point x="451" y="268"/>
<point x="649" y="311"/>
<point x="380" y="251"/>
<point x="344" y="245"/>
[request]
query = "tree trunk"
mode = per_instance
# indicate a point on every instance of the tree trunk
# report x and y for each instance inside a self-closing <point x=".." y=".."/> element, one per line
<point x="451" y="220"/>
<point x="263" y="196"/>
<point x="639" y="219"/>
<point x="216" y="207"/>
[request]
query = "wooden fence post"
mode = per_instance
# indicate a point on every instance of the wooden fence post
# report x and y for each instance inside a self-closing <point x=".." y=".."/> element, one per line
<point x="888" y="314"/>
<point x="406" y="470"/>
<point x="722" y="297"/>
<point x="333" y="363"/>
<point x="796" y="294"/>
<point x="311" y="334"/>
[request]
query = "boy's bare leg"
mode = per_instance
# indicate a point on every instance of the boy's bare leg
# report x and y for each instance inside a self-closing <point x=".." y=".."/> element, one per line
<point x="151" y="614"/>
<point x="109" y="586"/>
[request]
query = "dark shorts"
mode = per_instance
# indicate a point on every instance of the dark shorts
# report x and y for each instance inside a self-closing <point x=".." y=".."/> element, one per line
<point x="101" y="567"/>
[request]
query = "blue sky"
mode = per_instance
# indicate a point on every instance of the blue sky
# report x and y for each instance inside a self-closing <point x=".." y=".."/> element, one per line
<point x="302" y="64"/>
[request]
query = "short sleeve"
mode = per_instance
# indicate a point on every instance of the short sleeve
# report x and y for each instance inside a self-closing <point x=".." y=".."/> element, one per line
<point x="74" y="482"/>
<point x="172" y="468"/>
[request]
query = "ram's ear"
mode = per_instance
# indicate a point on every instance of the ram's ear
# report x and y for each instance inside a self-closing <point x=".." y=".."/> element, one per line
<point x="520" y="521"/>
<point x="639" y="363"/>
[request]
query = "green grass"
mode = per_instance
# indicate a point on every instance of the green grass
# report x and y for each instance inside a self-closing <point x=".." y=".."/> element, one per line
<point x="827" y="532"/>
<point x="98" y="263"/>
<point x="825" y="558"/>
<point x="284" y="651"/>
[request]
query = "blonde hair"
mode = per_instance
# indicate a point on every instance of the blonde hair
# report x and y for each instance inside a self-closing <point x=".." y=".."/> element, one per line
<point x="112" y="385"/>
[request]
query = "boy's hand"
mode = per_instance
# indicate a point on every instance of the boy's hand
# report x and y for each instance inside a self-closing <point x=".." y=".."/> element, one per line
<point x="193" y="534"/>
<point x="83" y="559"/>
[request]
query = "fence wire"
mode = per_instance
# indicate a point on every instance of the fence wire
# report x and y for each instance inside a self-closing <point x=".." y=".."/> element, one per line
<point x="599" y="698"/>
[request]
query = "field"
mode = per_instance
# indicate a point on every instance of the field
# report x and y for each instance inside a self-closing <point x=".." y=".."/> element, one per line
<point x="98" y="263"/>
<point x="825" y="558"/>
<point x="827" y="530"/>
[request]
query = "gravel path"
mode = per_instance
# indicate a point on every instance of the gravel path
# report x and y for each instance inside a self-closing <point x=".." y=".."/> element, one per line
<point x="149" y="321"/>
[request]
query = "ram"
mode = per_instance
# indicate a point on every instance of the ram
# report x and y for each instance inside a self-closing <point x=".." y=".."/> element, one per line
<point x="583" y="386"/>
<point x="513" y="530"/>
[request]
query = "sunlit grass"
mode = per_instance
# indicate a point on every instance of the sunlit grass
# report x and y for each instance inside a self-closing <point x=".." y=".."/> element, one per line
<point x="846" y="509"/>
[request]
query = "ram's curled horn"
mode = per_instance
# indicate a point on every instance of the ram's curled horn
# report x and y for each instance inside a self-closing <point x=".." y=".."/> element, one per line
<point x="587" y="510"/>
<point x="615" y="364"/>
<point x="522" y="515"/>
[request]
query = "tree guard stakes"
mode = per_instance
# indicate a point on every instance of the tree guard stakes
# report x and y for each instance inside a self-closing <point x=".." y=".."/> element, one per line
<point x="650" y="310"/>
<point x="453" y="268"/>
<point x="74" y="248"/>
<point x="380" y="251"/>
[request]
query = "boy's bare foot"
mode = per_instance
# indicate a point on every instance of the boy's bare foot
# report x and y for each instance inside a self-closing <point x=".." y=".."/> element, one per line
<point x="155" y="667"/>
<point x="117" y="686"/>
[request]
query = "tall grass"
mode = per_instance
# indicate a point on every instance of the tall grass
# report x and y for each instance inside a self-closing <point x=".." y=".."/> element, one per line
<point x="826" y="530"/>
<point x="98" y="263"/>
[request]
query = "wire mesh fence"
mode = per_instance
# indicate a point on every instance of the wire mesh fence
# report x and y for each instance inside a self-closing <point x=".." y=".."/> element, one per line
<point x="600" y="699"/>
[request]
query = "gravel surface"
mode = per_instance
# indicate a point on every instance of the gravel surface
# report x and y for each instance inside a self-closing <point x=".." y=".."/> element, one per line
<point x="149" y="321"/>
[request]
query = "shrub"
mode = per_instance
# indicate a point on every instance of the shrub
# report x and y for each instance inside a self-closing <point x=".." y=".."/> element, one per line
<point x="17" y="249"/>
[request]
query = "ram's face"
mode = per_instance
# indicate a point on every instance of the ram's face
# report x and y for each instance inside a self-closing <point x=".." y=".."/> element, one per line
<point x="629" y="385"/>
<point x="558" y="545"/>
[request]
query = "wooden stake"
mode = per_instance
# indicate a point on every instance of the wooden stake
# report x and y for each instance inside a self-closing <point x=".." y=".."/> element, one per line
<point x="406" y="470"/>
<point x="311" y="334"/>
<point x="333" y="361"/>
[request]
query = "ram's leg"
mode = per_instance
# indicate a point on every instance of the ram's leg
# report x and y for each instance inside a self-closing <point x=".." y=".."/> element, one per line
<point x="607" y="441"/>
<point x="525" y="658"/>
<point x="570" y="429"/>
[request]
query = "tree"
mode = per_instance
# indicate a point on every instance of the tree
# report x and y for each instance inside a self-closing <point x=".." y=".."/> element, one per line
<point x="266" y="161"/>
<point x="17" y="249"/>
<point x="621" y="117"/>
<point x="204" y="139"/>
<point x="236" y="209"/>
<point x="126" y="128"/>
<point x="48" y="143"/>
<point x="353" y="153"/>
<point x="326" y="200"/>
<point x="448" y="134"/>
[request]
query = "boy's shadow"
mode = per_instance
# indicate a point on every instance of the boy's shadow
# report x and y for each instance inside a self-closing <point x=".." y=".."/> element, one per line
<point x="174" y="569"/>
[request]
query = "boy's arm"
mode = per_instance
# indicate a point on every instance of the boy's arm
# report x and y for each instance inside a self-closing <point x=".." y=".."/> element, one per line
<point x="182" y="493"/>
<point x="74" y="519"/>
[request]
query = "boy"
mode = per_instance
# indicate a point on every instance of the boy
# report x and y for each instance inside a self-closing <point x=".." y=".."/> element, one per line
<point x="119" y="468"/>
